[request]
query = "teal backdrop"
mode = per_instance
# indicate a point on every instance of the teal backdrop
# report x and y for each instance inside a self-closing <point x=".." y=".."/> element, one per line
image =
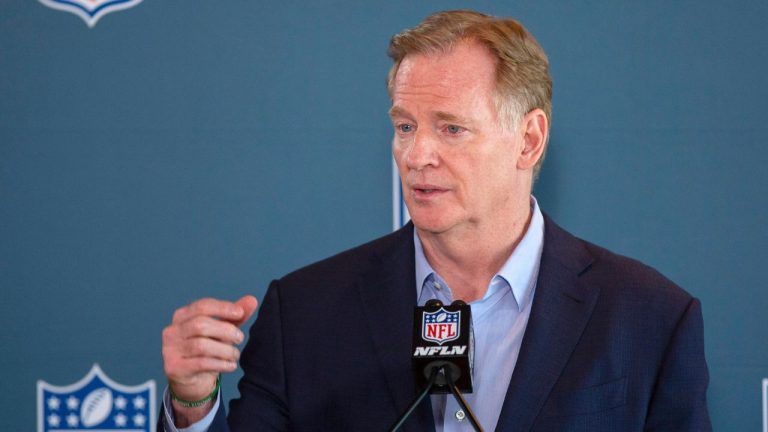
<point x="181" y="149"/>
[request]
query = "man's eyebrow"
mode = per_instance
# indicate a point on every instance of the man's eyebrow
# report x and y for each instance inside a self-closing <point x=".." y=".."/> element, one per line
<point x="442" y="115"/>
<point x="396" y="111"/>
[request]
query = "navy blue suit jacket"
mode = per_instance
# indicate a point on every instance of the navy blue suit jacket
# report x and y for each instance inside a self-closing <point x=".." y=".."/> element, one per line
<point x="611" y="345"/>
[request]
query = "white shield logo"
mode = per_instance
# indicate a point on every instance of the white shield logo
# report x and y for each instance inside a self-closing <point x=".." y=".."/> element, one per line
<point x="90" y="10"/>
<point x="96" y="401"/>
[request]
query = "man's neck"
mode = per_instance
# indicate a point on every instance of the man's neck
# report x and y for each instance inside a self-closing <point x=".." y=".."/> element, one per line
<point x="468" y="257"/>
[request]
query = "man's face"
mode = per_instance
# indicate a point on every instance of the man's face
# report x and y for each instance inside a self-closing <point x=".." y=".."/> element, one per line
<point x="457" y="164"/>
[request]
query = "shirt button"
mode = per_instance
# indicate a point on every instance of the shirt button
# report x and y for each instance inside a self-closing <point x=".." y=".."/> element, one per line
<point x="436" y="285"/>
<point x="460" y="415"/>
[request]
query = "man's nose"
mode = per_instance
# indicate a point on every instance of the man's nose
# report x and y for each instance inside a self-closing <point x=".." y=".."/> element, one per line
<point x="424" y="150"/>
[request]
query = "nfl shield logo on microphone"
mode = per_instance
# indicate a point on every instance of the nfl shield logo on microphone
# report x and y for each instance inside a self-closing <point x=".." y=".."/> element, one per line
<point x="441" y="326"/>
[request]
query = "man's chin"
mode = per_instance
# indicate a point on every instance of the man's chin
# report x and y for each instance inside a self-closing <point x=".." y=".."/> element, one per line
<point x="431" y="225"/>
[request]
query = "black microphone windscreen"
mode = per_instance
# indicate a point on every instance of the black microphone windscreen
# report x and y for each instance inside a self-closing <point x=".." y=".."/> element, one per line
<point x="442" y="339"/>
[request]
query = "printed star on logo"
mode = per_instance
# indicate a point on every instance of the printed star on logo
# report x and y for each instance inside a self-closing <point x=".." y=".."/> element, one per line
<point x="121" y="420"/>
<point x="72" y="402"/>
<point x="72" y="420"/>
<point x="139" y="420"/>
<point x="120" y="403"/>
<point x="139" y="402"/>
<point x="53" y="403"/>
<point x="54" y="420"/>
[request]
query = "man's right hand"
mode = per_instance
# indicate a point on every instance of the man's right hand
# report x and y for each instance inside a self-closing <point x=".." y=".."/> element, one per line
<point x="198" y="345"/>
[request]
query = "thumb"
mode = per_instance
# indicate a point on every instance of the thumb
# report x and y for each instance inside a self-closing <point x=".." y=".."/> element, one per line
<point x="248" y="303"/>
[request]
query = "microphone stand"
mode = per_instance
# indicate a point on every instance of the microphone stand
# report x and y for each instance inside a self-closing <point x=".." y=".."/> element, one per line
<point x="461" y="401"/>
<point x="407" y="413"/>
<point x="448" y="376"/>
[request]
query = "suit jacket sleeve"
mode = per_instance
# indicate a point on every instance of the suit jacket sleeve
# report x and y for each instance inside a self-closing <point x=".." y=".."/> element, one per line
<point x="262" y="404"/>
<point x="679" y="400"/>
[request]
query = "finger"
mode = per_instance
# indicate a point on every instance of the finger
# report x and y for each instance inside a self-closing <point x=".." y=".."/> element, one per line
<point x="209" y="307"/>
<point x="192" y="366"/>
<point x="207" y="327"/>
<point x="181" y="366"/>
<point x="248" y="303"/>
<point x="205" y="347"/>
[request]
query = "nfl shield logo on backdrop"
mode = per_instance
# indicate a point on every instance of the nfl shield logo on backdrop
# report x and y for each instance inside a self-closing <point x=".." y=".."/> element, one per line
<point x="90" y="10"/>
<point x="440" y="326"/>
<point x="96" y="403"/>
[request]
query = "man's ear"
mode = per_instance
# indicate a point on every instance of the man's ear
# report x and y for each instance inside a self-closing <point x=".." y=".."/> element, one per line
<point x="535" y="130"/>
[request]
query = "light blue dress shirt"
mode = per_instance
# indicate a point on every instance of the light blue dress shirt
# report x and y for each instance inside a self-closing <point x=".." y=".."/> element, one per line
<point x="498" y="324"/>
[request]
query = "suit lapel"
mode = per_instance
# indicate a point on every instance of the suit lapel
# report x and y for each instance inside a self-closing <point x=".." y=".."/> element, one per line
<point x="388" y="296"/>
<point x="560" y="311"/>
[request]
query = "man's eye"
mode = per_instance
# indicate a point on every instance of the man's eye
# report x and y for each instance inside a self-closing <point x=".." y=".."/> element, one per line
<point x="405" y="128"/>
<point x="453" y="129"/>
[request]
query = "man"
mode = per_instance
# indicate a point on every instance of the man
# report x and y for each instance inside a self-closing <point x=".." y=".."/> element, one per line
<point x="568" y="336"/>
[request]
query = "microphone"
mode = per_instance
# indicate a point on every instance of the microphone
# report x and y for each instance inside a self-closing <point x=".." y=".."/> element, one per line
<point x="442" y="340"/>
<point x="442" y="354"/>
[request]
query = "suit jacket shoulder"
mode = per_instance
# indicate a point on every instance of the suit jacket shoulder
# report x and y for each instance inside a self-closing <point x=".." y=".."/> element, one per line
<point x="610" y="343"/>
<point x="629" y="288"/>
<point x="348" y="266"/>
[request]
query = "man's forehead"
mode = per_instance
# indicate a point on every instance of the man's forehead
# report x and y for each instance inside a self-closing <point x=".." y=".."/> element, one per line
<point x="467" y="64"/>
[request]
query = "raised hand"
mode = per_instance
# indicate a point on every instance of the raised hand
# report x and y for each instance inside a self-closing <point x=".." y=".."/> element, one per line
<point x="198" y="345"/>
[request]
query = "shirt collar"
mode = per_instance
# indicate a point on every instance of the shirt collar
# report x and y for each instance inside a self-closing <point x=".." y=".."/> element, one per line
<point x="521" y="269"/>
